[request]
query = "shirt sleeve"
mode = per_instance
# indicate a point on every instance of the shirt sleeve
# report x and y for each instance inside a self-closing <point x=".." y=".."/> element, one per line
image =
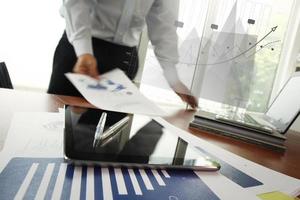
<point x="78" y="25"/>
<point x="162" y="34"/>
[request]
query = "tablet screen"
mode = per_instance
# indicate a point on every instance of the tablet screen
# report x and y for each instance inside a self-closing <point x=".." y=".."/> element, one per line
<point x="138" y="141"/>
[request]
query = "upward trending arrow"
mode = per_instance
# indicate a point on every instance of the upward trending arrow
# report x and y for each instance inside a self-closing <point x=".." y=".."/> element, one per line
<point x="274" y="28"/>
<point x="253" y="46"/>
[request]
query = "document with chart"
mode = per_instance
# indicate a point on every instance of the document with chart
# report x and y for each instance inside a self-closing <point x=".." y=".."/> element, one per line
<point x="25" y="174"/>
<point x="115" y="92"/>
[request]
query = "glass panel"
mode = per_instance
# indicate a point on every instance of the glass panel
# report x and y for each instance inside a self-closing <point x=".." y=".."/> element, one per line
<point x="240" y="53"/>
<point x="229" y="48"/>
<point x="191" y="22"/>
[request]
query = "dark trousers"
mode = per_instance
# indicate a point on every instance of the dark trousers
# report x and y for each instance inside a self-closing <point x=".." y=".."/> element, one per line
<point x="109" y="56"/>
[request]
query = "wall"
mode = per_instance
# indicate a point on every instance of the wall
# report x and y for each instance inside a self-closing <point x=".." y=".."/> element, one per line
<point x="30" y="31"/>
<point x="296" y="125"/>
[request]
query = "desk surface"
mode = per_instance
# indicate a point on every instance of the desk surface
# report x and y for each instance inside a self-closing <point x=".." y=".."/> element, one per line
<point x="287" y="163"/>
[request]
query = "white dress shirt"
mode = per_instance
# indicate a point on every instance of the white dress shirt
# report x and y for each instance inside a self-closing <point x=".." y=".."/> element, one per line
<point x="121" y="22"/>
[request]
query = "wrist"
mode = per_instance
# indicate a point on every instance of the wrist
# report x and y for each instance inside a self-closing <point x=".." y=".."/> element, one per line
<point x="87" y="59"/>
<point x="83" y="46"/>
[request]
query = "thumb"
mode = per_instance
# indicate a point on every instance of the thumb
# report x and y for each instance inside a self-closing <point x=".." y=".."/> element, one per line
<point x="92" y="68"/>
<point x="93" y="71"/>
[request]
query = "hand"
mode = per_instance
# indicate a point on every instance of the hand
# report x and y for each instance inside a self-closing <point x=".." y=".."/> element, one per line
<point x="184" y="93"/>
<point x="189" y="99"/>
<point x="86" y="64"/>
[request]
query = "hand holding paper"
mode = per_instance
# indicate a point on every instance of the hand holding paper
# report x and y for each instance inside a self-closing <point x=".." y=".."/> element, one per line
<point x="115" y="92"/>
<point x="86" y="64"/>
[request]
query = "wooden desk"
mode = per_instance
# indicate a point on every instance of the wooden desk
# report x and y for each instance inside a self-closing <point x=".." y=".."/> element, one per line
<point x="287" y="163"/>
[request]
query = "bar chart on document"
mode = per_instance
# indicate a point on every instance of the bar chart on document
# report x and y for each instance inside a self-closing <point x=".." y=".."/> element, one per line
<point x="25" y="174"/>
<point x="51" y="178"/>
<point x="36" y="170"/>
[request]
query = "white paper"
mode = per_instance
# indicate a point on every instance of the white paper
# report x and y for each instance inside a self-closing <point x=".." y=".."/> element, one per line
<point x="37" y="134"/>
<point x="272" y="180"/>
<point x="224" y="188"/>
<point x="115" y="92"/>
<point x="29" y="131"/>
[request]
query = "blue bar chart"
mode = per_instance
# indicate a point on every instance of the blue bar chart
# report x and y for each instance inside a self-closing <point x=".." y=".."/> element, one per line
<point x="51" y="178"/>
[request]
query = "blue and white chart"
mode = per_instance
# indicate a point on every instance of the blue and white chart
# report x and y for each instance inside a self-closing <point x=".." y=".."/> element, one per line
<point x="32" y="168"/>
<point x="114" y="91"/>
<point x="254" y="177"/>
<point x="51" y="178"/>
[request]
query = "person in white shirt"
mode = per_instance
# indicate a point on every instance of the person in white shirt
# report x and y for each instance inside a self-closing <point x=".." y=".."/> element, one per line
<point x="103" y="34"/>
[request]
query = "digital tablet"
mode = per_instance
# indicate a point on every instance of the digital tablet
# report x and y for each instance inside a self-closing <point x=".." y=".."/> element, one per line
<point x="127" y="140"/>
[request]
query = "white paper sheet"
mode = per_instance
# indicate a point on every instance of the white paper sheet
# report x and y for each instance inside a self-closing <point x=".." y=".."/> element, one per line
<point x="272" y="180"/>
<point x="40" y="135"/>
<point x="115" y="92"/>
<point x="37" y="134"/>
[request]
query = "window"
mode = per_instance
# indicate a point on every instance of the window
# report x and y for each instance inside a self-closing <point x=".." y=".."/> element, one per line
<point x="229" y="52"/>
<point x="30" y="31"/>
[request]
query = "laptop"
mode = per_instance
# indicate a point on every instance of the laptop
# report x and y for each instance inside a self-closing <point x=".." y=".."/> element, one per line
<point x="278" y="118"/>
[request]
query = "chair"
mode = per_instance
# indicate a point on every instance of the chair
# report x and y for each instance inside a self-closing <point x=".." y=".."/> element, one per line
<point x="5" y="81"/>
